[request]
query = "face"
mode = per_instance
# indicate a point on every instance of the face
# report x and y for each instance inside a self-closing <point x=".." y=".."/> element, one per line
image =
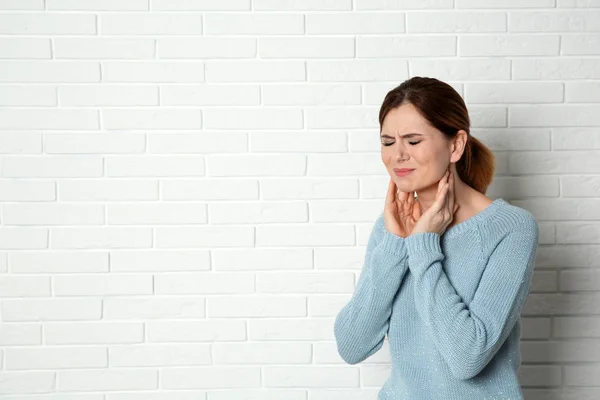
<point x="409" y="141"/>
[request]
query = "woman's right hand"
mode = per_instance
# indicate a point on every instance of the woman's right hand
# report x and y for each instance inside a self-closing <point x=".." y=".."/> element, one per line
<point x="401" y="212"/>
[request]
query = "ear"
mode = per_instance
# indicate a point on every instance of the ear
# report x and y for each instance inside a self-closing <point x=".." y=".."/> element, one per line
<point x="457" y="145"/>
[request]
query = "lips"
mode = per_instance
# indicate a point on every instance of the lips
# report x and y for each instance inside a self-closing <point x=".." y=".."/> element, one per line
<point x="403" y="171"/>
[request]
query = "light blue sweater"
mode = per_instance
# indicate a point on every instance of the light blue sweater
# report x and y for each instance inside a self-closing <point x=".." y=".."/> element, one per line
<point x="450" y="306"/>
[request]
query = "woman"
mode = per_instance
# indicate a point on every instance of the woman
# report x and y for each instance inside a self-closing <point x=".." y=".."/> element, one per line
<point x="446" y="274"/>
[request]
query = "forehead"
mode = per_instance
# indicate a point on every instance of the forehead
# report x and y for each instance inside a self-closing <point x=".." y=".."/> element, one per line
<point x="405" y="119"/>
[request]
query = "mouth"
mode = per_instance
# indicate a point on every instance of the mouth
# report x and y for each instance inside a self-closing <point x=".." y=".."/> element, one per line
<point x="403" y="171"/>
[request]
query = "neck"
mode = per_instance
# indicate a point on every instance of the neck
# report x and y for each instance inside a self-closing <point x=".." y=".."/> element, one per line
<point x="462" y="191"/>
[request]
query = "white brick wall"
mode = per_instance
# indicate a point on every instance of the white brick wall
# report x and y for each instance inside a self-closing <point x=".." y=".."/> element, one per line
<point x="187" y="186"/>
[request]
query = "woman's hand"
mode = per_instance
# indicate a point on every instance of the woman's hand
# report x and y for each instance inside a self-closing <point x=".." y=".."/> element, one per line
<point x="401" y="211"/>
<point x="441" y="213"/>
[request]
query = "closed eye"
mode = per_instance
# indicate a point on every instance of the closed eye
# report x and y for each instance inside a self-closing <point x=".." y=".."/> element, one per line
<point x="411" y="143"/>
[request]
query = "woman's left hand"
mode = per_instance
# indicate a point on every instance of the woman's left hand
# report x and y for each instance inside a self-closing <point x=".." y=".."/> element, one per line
<point x="441" y="213"/>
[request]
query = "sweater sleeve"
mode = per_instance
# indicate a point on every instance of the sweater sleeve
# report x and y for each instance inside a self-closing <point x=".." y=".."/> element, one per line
<point x="361" y="325"/>
<point x="468" y="337"/>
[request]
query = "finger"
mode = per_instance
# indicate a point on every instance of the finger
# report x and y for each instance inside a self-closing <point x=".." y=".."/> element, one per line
<point x="451" y="194"/>
<point x="446" y="197"/>
<point x="389" y="198"/>
<point x="441" y="199"/>
<point x="410" y="201"/>
<point x="439" y="194"/>
<point x="416" y="212"/>
<point x="442" y="182"/>
<point x="439" y="191"/>
<point x="448" y="200"/>
<point x="398" y="199"/>
<point x="402" y="196"/>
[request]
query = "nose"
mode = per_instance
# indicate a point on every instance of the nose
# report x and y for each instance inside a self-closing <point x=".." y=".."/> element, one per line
<point x="401" y="154"/>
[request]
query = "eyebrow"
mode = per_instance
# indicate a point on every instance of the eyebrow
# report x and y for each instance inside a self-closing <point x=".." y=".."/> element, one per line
<point x="402" y="136"/>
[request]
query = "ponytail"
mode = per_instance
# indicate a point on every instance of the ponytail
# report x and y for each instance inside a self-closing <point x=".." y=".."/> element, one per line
<point x="477" y="164"/>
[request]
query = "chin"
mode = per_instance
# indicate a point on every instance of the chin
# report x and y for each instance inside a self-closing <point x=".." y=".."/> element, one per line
<point x="404" y="187"/>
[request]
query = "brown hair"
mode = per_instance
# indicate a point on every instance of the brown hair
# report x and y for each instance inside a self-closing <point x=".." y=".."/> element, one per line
<point x="445" y="109"/>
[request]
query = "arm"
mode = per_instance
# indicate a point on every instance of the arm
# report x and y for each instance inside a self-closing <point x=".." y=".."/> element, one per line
<point x="469" y="336"/>
<point x="361" y="325"/>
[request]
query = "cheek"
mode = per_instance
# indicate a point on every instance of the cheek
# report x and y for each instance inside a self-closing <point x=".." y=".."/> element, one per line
<point x="429" y="169"/>
<point x="386" y="155"/>
<point x="432" y="162"/>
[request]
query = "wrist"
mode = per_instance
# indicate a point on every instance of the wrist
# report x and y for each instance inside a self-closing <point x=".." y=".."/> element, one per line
<point x="392" y="243"/>
<point x="423" y="242"/>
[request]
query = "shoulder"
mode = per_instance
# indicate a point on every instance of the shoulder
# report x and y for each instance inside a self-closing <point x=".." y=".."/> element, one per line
<point x="510" y="223"/>
<point x="510" y="218"/>
<point x="509" y="240"/>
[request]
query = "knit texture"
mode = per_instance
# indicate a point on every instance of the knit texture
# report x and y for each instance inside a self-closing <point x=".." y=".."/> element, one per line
<point x="449" y="305"/>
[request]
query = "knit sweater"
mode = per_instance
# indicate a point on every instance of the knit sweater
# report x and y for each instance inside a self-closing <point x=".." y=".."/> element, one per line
<point x="449" y="304"/>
